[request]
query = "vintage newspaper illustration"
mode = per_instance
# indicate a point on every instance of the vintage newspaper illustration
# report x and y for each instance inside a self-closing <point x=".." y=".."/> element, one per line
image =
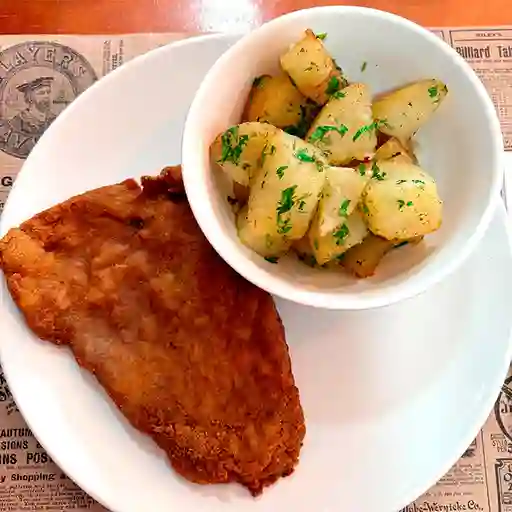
<point x="39" y="77"/>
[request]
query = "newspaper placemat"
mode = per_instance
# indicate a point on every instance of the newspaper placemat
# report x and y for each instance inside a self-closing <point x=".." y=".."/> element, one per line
<point x="39" y="77"/>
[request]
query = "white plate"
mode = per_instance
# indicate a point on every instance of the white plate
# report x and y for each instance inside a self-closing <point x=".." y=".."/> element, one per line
<point x="392" y="396"/>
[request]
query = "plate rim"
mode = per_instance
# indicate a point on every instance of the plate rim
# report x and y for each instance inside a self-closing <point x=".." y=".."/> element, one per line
<point x="500" y="212"/>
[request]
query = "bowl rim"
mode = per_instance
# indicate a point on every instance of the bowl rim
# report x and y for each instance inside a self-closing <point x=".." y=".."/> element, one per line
<point x="201" y="205"/>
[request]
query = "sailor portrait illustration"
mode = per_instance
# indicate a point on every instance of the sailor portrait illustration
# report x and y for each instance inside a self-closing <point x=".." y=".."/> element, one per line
<point x="38" y="114"/>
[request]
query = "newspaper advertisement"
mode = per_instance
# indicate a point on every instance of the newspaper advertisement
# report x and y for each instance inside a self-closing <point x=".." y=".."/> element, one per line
<point x="39" y="77"/>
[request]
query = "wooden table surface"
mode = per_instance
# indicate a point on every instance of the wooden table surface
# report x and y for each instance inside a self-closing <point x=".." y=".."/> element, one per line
<point x="121" y="16"/>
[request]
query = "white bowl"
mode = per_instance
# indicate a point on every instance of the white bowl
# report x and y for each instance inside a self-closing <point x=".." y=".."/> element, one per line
<point x="461" y="146"/>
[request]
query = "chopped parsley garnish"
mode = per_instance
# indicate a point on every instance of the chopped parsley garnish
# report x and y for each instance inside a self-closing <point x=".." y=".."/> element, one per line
<point x="343" y="210"/>
<point x="365" y="209"/>
<point x="333" y="85"/>
<point x="363" y="66"/>
<point x="376" y="174"/>
<point x="280" y="171"/>
<point x="257" y="81"/>
<point x="286" y="202"/>
<point x="367" y="128"/>
<point x="272" y="150"/>
<point x="284" y="205"/>
<point x="341" y="233"/>
<point x="362" y="169"/>
<point x="272" y="259"/>
<point x="302" y="202"/>
<point x="418" y="182"/>
<point x="321" y="36"/>
<point x="283" y="225"/>
<point x="402" y="203"/>
<point x="302" y="155"/>
<point x="339" y="94"/>
<point x="399" y="182"/>
<point x="315" y="244"/>
<point x="432" y="91"/>
<point x="321" y="131"/>
<point x="364" y="129"/>
<point x="232" y="145"/>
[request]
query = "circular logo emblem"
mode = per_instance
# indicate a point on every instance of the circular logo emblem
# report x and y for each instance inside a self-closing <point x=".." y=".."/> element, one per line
<point x="38" y="79"/>
<point x="503" y="409"/>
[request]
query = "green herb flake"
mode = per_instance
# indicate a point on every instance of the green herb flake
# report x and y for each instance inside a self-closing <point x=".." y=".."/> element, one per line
<point x="341" y="234"/>
<point x="280" y="171"/>
<point x="364" y="129"/>
<point x="321" y="36"/>
<point x="368" y="128"/>
<point x="315" y="244"/>
<point x="272" y="149"/>
<point x="286" y="202"/>
<point x="399" y="182"/>
<point x="271" y="259"/>
<point x="409" y="203"/>
<point x="302" y="201"/>
<point x="365" y="209"/>
<point x="284" y="205"/>
<point x="376" y="174"/>
<point x="363" y="66"/>
<point x="321" y="131"/>
<point x="362" y="169"/>
<point x="433" y="92"/>
<point x="343" y="210"/>
<point x="232" y="145"/>
<point x="401" y="204"/>
<point x="339" y="95"/>
<point x="283" y="226"/>
<point x="419" y="182"/>
<point x="303" y="156"/>
<point x="333" y="85"/>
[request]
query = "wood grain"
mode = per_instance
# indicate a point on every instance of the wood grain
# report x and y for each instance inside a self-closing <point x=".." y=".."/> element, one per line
<point x="120" y="16"/>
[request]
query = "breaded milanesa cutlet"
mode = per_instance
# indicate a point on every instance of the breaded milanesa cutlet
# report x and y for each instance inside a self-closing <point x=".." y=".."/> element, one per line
<point x="192" y="354"/>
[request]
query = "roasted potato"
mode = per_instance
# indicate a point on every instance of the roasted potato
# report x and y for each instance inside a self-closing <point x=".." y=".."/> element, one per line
<point x="392" y="148"/>
<point x="363" y="259"/>
<point x="337" y="225"/>
<point x="312" y="69"/>
<point x="275" y="100"/>
<point x="284" y="195"/>
<point x="238" y="150"/>
<point x="401" y="113"/>
<point x="344" y="130"/>
<point x="401" y="201"/>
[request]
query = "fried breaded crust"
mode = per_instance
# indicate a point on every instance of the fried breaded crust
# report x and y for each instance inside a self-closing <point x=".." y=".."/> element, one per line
<point x="193" y="354"/>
